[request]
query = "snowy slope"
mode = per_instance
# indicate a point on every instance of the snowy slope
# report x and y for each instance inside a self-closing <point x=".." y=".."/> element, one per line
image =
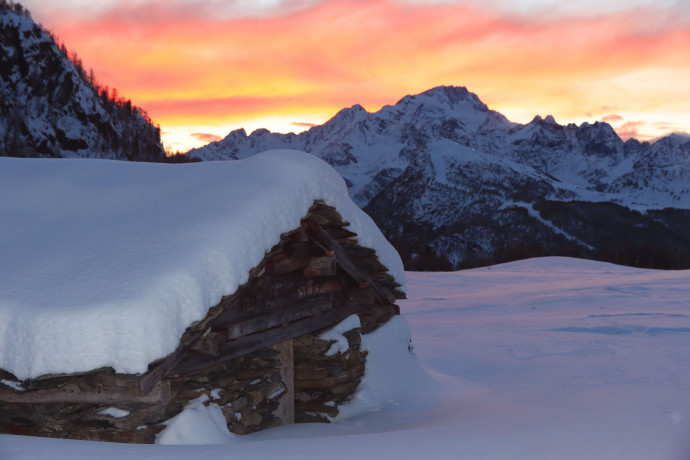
<point x="548" y="358"/>
<point x="107" y="263"/>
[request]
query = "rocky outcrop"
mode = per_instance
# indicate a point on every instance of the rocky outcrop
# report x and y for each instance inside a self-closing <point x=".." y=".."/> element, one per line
<point x="49" y="106"/>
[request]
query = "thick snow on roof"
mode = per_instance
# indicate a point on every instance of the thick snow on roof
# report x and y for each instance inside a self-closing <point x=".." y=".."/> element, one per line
<point x="106" y="263"/>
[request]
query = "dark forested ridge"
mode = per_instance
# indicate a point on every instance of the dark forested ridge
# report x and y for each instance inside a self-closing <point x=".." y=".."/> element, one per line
<point x="52" y="106"/>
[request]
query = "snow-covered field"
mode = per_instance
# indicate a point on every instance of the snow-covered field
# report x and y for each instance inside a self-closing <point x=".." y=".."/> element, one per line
<point x="541" y="359"/>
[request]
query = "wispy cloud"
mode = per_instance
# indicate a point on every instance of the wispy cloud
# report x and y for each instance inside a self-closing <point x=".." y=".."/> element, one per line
<point x="206" y="137"/>
<point x="613" y="118"/>
<point x="630" y="129"/>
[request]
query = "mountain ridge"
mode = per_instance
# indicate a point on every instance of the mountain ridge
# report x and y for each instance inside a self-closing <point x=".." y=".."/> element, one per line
<point x="444" y="175"/>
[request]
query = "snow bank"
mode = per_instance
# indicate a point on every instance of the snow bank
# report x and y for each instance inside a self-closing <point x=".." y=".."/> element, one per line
<point x="197" y="424"/>
<point x="106" y="263"/>
<point x="336" y="333"/>
<point x="392" y="374"/>
<point x="115" y="412"/>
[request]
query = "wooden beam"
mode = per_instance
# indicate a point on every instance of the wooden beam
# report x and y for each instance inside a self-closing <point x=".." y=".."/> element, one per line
<point x="321" y="237"/>
<point x="293" y="257"/>
<point x="77" y="392"/>
<point x="300" y="309"/>
<point x="268" y="337"/>
<point x="238" y="313"/>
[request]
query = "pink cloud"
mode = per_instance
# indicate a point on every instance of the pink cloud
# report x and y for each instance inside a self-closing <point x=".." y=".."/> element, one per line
<point x="206" y="137"/>
<point x="613" y="118"/>
<point x="630" y="129"/>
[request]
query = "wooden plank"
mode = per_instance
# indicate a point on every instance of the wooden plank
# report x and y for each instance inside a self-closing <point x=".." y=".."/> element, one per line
<point x="268" y="337"/>
<point x="75" y="392"/>
<point x="320" y="285"/>
<point x="321" y="266"/>
<point x="268" y="305"/>
<point x="321" y="237"/>
<point x="293" y="257"/>
<point x="300" y="309"/>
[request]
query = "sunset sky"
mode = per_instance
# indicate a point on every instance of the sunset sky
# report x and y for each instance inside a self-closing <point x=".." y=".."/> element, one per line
<point x="203" y="68"/>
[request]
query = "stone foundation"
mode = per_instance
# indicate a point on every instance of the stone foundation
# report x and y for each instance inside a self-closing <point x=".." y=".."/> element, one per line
<point x="248" y="390"/>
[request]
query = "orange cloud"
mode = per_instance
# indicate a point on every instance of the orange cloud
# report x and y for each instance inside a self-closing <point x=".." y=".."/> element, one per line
<point x="630" y="129"/>
<point x="613" y="118"/>
<point x="195" y="64"/>
<point x="206" y="137"/>
<point x="302" y="124"/>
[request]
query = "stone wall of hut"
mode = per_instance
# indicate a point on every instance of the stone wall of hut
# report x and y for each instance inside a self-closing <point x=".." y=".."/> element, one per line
<point x="248" y="390"/>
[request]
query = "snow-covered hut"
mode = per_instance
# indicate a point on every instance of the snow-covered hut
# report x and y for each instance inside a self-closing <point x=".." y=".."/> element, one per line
<point x="128" y="290"/>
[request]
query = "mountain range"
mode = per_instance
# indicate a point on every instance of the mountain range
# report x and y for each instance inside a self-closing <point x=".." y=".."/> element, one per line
<point x="455" y="184"/>
<point x="450" y="182"/>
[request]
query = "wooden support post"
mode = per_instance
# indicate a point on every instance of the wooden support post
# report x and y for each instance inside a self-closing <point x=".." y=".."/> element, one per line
<point x="286" y="410"/>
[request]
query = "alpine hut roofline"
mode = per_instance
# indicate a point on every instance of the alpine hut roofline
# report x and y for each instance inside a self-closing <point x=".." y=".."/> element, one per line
<point x="257" y="353"/>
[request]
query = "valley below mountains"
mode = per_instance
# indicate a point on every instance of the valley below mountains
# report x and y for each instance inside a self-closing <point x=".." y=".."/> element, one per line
<point x="454" y="184"/>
